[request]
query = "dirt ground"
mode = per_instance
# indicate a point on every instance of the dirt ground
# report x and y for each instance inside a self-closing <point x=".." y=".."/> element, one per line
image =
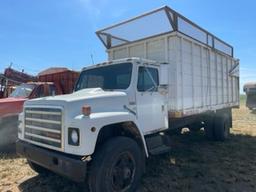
<point x="194" y="164"/>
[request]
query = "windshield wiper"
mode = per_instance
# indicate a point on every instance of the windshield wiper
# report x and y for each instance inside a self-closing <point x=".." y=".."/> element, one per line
<point x="151" y="89"/>
<point x="108" y="89"/>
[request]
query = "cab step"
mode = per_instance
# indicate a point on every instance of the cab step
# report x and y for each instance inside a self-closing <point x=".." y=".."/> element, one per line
<point x="158" y="143"/>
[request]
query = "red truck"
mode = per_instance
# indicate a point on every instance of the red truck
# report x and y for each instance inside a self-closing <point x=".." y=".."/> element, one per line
<point x="53" y="81"/>
<point x="11" y="79"/>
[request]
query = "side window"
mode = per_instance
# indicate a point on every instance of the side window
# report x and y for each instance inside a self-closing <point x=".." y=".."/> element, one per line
<point x="147" y="79"/>
<point x="52" y="90"/>
<point x="40" y="91"/>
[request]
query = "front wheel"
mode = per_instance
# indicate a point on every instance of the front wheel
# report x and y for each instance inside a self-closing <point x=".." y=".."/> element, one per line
<point x="116" y="166"/>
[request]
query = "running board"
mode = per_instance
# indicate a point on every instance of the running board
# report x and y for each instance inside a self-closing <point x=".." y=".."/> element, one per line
<point x="158" y="144"/>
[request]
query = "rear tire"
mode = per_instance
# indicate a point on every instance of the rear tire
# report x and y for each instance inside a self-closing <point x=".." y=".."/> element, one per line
<point x="209" y="128"/>
<point x="221" y="128"/>
<point x="37" y="168"/>
<point x="195" y="127"/>
<point x="116" y="166"/>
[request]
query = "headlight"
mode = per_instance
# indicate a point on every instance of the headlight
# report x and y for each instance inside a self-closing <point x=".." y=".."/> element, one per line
<point x="73" y="136"/>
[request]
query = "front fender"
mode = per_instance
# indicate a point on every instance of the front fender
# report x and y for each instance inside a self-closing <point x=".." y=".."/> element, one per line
<point x="88" y="138"/>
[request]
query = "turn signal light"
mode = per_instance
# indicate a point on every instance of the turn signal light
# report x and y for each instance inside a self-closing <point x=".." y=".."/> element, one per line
<point x="86" y="110"/>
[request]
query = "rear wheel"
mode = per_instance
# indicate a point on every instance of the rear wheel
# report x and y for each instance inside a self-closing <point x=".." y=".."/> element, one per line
<point x="209" y="128"/>
<point x="116" y="166"/>
<point x="195" y="127"/>
<point x="221" y="128"/>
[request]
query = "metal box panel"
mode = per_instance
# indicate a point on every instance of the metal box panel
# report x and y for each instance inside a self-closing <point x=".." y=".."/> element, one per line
<point x="199" y="78"/>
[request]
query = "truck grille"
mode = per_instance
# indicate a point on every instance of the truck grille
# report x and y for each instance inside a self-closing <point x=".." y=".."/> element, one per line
<point x="43" y="126"/>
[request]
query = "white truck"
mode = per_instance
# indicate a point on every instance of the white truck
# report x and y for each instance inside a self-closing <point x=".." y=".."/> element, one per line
<point x="164" y="73"/>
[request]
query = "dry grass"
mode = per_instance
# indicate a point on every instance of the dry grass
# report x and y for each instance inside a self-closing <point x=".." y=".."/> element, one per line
<point x="13" y="170"/>
<point x="244" y="121"/>
<point x="194" y="165"/>
<point x="199" y="165"/>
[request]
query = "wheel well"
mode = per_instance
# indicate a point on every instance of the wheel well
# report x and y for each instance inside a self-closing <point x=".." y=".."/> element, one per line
<point x="127" y="129"/>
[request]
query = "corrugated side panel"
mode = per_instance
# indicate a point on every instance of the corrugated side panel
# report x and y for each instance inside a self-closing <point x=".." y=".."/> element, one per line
<point x="203" y="80"/>
<point x="199" y="77"/>
<point x="172" y="55"/>
<point x="66" y="79"/>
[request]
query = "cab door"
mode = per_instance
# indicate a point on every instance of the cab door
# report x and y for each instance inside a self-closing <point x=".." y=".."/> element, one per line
<point x="151" y="105"/>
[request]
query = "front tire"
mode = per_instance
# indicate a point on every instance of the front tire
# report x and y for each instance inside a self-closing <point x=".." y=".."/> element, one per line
<point x="116" y="166"/>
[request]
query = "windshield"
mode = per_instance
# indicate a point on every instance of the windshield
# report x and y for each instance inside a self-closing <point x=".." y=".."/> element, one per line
<point x="109" y="77"/>
<point x="23" y="90"/>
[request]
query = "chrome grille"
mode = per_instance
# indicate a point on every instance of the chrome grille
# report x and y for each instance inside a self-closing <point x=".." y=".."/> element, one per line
<point x="43" y="126"/>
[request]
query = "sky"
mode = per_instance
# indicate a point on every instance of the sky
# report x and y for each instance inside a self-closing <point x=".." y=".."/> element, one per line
<point x="38" y="34"/>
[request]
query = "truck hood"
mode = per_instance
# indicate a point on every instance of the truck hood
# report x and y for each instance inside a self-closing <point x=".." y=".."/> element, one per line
<point x="98" y="99"/>
<point x="11" y="106"/>
<point x="92" y="93"/>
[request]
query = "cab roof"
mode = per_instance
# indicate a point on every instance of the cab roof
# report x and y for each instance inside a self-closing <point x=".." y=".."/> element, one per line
<point x="39" y="83"/>
<point x="250" y="85"/>
<point x="124" y="60"/>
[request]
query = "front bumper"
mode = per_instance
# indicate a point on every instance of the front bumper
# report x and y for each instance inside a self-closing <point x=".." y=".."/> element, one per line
<point x="67" y="166"/>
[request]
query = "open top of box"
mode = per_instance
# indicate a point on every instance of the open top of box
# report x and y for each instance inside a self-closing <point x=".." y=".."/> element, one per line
<point x="155" y="23"/>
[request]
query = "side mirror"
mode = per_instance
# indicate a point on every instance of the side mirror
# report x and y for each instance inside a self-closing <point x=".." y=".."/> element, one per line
<point x="164" y="73"/>
<point x="163" y="89"/>
<point x="164" y="79"/>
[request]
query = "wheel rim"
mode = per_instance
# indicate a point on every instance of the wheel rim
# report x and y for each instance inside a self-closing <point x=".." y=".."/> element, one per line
<point x="122" y="172"/>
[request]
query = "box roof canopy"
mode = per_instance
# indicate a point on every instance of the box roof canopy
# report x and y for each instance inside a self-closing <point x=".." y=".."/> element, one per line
<point x="158" y="22"/>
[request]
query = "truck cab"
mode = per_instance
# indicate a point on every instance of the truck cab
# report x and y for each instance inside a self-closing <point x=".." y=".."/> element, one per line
<point x="13" y="105"/>
<point x="116" y="92"/>
<point x="53" y="81"/>
<point x="139" y="79"/>
<point x="124" y="99"/>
